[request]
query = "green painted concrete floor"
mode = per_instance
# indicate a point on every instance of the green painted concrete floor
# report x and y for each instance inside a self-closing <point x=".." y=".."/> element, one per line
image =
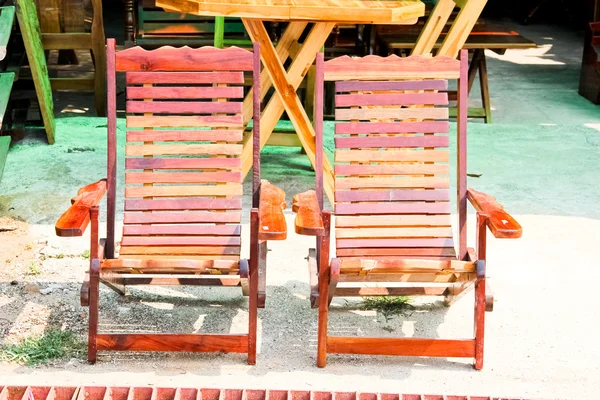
<point x="540" y="158"/>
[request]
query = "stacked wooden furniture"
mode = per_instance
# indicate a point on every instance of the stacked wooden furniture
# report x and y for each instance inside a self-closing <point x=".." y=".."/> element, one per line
<point x="392" y="199"/>
<point x="7" y="16"/>
<point x="589" y="81"/>
<point x="183" y="188"/>
<point x="447" y="31"/>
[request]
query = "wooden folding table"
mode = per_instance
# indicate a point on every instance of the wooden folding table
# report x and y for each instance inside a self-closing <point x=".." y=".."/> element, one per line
<point x="325" y="14"/>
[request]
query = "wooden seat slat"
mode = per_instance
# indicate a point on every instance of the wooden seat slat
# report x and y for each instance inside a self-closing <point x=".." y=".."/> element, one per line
<point x="390" y="113"/>
<point x="394" y="242"/>
<point x="392" y="127"/>
<point x="391" y="142"/>
<point x="182" y="149"/>
<point x="429" y="182"/>
<point x="210" y="230"/>
<point x="392" y="208"/>
<point x="217" y="135"/>
<point x="182" y="177"/>
<point x="182" y="217"/>
<point x="390" y="99"/>
<point x="163" y="78"/>
<point x="181" y="241"/>
<point x="382" y="232"/>
<point x="397" y="252"/>
<point x="183" y="191"/>
<point x="399" y="220"/>
<point x="183" y="204"/>
<point x="180" y="250"/>
<point x="184" y="121"/>
<point x="183" y="107"/>
<point x="425" y="84"/>
<point x="391" y="169"/>
<point x="183" y="163"/>
<point x="391" y="195"/>
<point x="392" y="155"/>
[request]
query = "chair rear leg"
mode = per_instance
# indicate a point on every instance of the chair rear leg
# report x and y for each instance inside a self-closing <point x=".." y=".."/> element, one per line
<point x="94" y="299"/>
<point x="253" y="281"/>
<point x="480" y="306"/>
<point x="324" y="279"/>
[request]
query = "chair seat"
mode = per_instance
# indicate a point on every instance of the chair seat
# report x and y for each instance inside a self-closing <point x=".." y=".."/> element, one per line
<point x="171" y="265"/>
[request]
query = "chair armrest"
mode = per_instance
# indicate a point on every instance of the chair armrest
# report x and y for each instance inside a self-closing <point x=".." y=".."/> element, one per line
<point x="270" y="212"/>
<point x="309" y="220"/>
<point x="501" y="223"/>
<point x="76" y="219"/>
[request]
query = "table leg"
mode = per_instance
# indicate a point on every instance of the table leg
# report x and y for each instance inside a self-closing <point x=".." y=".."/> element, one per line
<point x="286" y="84"/>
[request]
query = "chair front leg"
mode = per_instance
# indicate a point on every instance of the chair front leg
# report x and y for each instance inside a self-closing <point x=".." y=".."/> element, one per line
<point x="253" y="278"/>
<point x="324" y="282"/>
<point x="480" y="286"/>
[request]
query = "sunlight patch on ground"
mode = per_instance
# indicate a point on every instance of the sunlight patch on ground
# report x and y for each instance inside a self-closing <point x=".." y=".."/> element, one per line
<point x="593" y="126"/>
<point x="537" y="56"/>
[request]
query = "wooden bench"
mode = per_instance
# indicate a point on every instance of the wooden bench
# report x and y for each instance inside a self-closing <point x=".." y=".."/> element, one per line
<point x="498" y="38"/>
<point x="7" y="17"/>
<point x="589" y="81"/>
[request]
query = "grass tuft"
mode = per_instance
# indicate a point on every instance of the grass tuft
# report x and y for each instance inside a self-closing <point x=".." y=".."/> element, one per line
<point x="37" y="350"/>
<point x="34" y="268"/>
<point x="86" y="254"/>
<point x="389" y="306"/>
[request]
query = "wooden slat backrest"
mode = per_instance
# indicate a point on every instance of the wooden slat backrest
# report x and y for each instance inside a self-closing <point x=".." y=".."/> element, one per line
<point x="392" y="184"/>
<point x="183" y="181"/>
<point x="470" y="10"/>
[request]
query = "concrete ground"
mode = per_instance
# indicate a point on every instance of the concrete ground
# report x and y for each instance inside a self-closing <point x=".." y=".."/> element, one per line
<point x="540" y="158"/>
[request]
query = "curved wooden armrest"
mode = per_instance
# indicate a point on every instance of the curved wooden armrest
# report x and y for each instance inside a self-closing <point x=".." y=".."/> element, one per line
<point x="270" y="212"/>
<point x="308" y="214"/>
<point x="501" y="224"/>
<point x="76" y="219"/>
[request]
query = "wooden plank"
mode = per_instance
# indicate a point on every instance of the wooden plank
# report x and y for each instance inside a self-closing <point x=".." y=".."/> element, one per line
<point x="6" y="83"/>
<point x="184" y="191"/>
<point x="75" y="220"/>
<point x="428" y="182"/>
<point x="182" y="149"/>
<point x="213" y="230"/>
<point x="392" y="195"/>
<point x="179" y="250"/>
<point x="140" y="78"/>
<point x="436" y="252"/>
<point x="178" y="92"/>
<point x="4" y="145"/>
<point x="391" y="68"/>
<point x="392" y="155"/>
<point x="186" y="121"/>
<point x="390" y="113"/>
<point x="183" y="107"/>
<point x="380" y="232"/>
<point x="221" y="135"/>
<point x="66" y="41"/>
<point x="392" y="208"/>
<point x="150" y="265"/>
<point x="357" y="86"/>
<point x="181" y="217"/>
<point x="30" y="29"/>
<point x="391" y="220"/>
<point x="7" y="17"/>
<point x="391" y="99"/>
<point x="136" y="59"/>
<point x="183" y="163"/>
<point x="392" y="127"/>
<point x="180" y="241"/>
<point x="401" y="346"/>
<point x="391" y="142"/>
<point x="172" y="342"/>
<point x="355" y="243"/>
<point x="183" y="204"/>
<point x="182" y="177"/>
<point x="308" y="214"/>
<point x="386" y="169"/>
<point x="396" y="265"/>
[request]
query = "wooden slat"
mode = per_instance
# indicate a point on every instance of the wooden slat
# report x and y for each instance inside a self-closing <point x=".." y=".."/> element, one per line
<point x="182" y="177"/>
<point x="213" y="230"/>
<point x="150" y="264"/>
<point x="391" y="265"/>
<point x="178" y="92"/>
<point x="390" y="99"/>
<point x="392" y="127"/>
<point x="182" y="149"/>
<point x="183" y="107"/>
<point x="391" y="68"/>
<point x="429" y="182"/>
<point x="392" y="195"/>
<point x="392" y="208"/>
<point x="183" y="163"/>
<point x="184" y="191"/>
<point x="391" y="142"/>
<point x="183" y="204"/>
<point x="220" y="135"/>
<point x="134" y="121"/>
<point x="139" y="78"/>
<point x="400" y="169"/>
<point x="172" y="342"/>
<point x="391" y="220"/>
<point x="398" y="251"/>
<point x="392" y="155"/>
<point x="184" y="59"/>
<point x="404" y="346"/>
<point x="181" y="217"/>
<point x="355" y="243"/>
<point x="181" y="241"/>
<point x="180" y="250"/>
<point x="355" y="86"/>
<point x="381" y="232"/>
<point x="390" y="113"/>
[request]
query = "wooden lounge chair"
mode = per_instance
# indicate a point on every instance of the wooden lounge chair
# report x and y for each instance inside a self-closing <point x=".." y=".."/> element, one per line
<point x="392" y="199"/>
<point x="183" y="189"/>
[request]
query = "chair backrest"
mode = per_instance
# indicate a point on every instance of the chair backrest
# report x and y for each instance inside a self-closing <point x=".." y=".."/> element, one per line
<point x="156" y="26"/>
<point x="392" y="172"/>
<point x="183" y="180"/>
<point x="470" y="10"/>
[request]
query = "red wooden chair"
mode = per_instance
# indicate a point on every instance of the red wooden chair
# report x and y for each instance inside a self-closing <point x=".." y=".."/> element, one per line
<point x="183" y="188"/>
<point x="392" y="199"/>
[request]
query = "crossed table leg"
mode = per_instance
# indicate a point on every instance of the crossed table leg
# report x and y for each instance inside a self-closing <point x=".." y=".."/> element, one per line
<point x="286" y="83"/>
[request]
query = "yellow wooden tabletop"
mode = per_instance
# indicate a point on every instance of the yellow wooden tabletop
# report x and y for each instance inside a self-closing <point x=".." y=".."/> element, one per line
<point x="355" y="11"/>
